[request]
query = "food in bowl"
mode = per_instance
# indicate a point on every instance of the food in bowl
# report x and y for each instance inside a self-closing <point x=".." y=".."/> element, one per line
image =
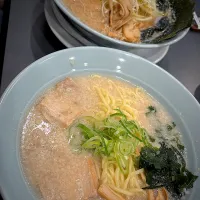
<point x="96" y="137"/>
<point x="134" y="21"/>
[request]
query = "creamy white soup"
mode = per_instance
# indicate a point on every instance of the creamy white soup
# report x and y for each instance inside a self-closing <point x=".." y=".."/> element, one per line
<point x="96" y="137"/>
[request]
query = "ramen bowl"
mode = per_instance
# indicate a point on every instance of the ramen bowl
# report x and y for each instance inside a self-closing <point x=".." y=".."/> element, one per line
<point x="42" y="74"/>
<point x="103" y="40"/>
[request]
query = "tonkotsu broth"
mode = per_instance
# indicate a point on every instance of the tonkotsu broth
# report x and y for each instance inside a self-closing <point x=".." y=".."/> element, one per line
<point x="50" y="163"/>
<point x="91" y="13"/>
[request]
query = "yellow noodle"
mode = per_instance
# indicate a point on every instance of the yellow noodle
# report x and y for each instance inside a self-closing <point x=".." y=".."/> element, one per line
<point x="112" y="100"/>
<point x="119" y="102"/>
<point x="125" y="192"/>
<point x="117" y="172"/>
<point x="120" y="94"/>
<point x="103" y="161"/>
<point x="137" y="185"/>
<point x="128" y="109"/>
<point x="110" y="179"/>
<point x="134" y="191"/>
<point x="131" y="183"/>
<point x="101" y="95"/>
<point x="103" y="107"/>
<point x="111" y="173"/>
<point x="143" y="177"/>
<point x="121" y="191"/>
<point x="121" y="180"/>
<point x="95" y="76"/>
<point x="111" y="170"/>
<point x="97" y="170"/>
<point x="126" y="182"/>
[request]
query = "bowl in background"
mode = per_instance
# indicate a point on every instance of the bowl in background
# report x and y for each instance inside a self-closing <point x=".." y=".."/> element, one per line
<point x="103" y="40"/>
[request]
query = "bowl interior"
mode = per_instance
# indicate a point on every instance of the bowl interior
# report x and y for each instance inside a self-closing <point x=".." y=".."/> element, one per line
<point x="31" y="82"/>
<point x="100" y="38"/>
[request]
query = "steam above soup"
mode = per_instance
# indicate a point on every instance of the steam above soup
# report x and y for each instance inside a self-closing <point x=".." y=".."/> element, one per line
<point x="147" y="21"/>
<point x="94" y="137"/>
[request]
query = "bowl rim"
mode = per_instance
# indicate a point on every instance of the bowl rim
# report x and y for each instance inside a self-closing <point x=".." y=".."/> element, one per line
<point x="75" y="19"/>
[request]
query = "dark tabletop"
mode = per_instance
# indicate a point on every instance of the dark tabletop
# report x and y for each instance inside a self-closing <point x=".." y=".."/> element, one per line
<point x="25" y="37"/>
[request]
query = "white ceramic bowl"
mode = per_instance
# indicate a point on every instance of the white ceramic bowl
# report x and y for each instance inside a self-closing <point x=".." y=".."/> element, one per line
<point x="47" y="71"/>
<point x="103" y="40"/>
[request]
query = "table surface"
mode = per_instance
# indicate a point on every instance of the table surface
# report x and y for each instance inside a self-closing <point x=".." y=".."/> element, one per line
<point x="29" y="38"/>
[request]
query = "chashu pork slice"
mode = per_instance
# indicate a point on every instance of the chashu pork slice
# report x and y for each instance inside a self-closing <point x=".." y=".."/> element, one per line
<point x="63" y="104"/>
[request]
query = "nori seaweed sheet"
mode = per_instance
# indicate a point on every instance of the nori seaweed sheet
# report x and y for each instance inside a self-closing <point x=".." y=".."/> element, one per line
<point x="182" y="15"/>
